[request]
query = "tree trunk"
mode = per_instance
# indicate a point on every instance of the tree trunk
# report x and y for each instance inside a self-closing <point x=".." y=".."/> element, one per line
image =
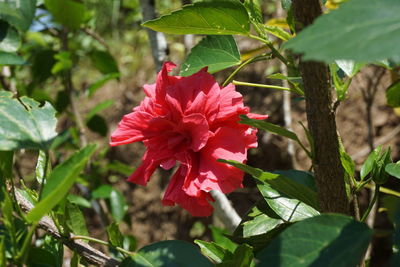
<point x="329" y="173"/>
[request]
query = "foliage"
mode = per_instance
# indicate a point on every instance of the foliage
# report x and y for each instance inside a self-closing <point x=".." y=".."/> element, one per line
<point x="45" y="45"/>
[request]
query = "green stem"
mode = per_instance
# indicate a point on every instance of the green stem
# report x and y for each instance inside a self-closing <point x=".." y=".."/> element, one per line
<point x="261" y="85"/>
<point x="274" y="51"/>
<point x="88" y="238"/>
<point x="362" y="184"/>
<point x="250" y="60"/>
<point x="371" y="204"/>
<point x="23" y="253"/>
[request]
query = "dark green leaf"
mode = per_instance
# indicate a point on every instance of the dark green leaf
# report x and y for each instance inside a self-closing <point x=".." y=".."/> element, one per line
<point x="114" y="235"/>
<point x="289" y="209"/>
<point x="9" y="38"/>
<point x="118" y="205"/>
<point x="281" y="183"/>
<point x="42" y="63"/>
<point x="286" y="4"/>
<point x="98" y="125"/>
<point x="393" y="95"/>
<point x="217" y="17"/>
<point x="6" y="165"/>
<point x="41" y="257"/>
<point x="104" y="62"/>
<point x="69" y="13"/>
<point x="24" y="124"/>
<point x="59" y="182"/>
<point x="75" y="220"/>
<point x="169" y="253"/>
<point x="100" y="82"/>
<point x="393" y="169"/>
<point x="213" y="251"/>
<point x="352" y="32"/>
<point x="10" y="59"/>
<point x="215" y="52"/>
<point x="325" y="240"/>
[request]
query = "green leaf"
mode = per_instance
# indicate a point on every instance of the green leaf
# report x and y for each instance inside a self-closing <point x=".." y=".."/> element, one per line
<point x="114" y="235"/>
<point x="325" y="240"/>
<point x="355" y="31"/>
<point x="9" y="38"/>
<point x="219" y="237"/>
<point x="6" y="165"/>
<point x="393" y="169"/>
<point x="24" y="124"/>
<point x="289" y="209"/>
<point x="69" y="13"/>
<point x="260" y="224"/>
<point x="41" y="257"/>
<point x="104" y="62"/>
<point x="275" y="129"/>
<point x="78" y="200"/>
<point x="278" y="32"/>
<point x="242" y="257"/>
<point x="18" y="13"/>
<point x="59" y="182"/>
<point x="41" y="167"/>
<point x="120" y="167"/>
<point x="281" y="183"/>
<point x="75" y="220"/>
<point x="10" y="59"/>
<point x="63" y="62"/>
<point x="103" y="191"/>
<point x="98" y="125"/>
<point x="213" y="251"/>
<point x="100" y="82"/>
<point x="393" y="95"/>
<point x="217" y="17"/>
<point x="368" y="165"/>
<point x="98" y="108"/>
<point x="118" y="205"/>
<point x="215" y="52"/>
<point x="169" y="253"/>
<point x="254" y="9"/>
<point x="349" y="67"/>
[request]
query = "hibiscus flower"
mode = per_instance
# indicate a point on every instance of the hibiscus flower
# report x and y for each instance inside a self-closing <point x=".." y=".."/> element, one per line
<point x="192" y="122"/>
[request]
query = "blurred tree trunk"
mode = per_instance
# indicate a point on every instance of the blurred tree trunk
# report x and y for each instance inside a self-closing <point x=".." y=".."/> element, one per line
<point x="329" y="172"/>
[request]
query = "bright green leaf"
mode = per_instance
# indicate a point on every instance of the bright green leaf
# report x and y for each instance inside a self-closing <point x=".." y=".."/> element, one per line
<point x="260" y="224"/>
<point x="103" y="191"/>
<point x="242" y="257"/>
<point x="215" y="52"/>
<point x="99" y="107"/>
<point x="393" y="169"/>
<point x="278" y="32"/>
<point x="289" y="209"/>
<point x="41" y="167"/>
<point x="100" y="82"/>
<point x="325" y="240"/>
<point x="63" y="62"/>
<point x="354" y="31"/>
<point x="368" y="165"/>
<point x="393" y="95"/>
<point x="78" y="200"/>
<point x="24" y="124"/>
<point x="59" y="182"/>
<point x="69" y="13"/>
<point x="216" y="17"/>
<point x="219" y="237"/>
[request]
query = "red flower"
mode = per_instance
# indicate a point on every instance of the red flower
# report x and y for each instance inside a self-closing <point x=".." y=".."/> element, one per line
<point x="190" y="120"/>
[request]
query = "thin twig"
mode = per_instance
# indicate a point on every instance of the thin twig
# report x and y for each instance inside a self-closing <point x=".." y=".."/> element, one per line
<point x="225" y="211"/>
<point x="87" y="252"/>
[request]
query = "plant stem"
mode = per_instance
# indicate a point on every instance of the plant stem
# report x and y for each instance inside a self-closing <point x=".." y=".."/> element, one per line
<point x="261" y="85"/>
<point x="23" y="253"/>
<point x="248" y="61"/>
<point x="46" y="162"/>
<point x="371" y="204"/>
<point x="82" y="237"/>
<point x="274" y="51"/>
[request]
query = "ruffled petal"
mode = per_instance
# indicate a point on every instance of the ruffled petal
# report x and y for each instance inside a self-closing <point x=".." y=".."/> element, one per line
<point x="197" y="206"/>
